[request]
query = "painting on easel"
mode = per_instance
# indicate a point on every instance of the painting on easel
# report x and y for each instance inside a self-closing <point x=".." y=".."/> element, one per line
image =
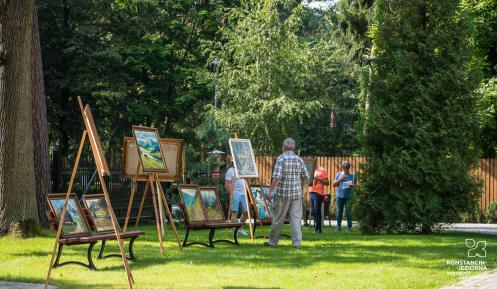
<point x="96" y="146"/>
<point x="243" y="158"/>
<point x="149" y="149"/>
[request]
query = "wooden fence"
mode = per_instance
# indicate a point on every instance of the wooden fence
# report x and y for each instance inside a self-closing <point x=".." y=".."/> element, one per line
<point x="487" y="171"/>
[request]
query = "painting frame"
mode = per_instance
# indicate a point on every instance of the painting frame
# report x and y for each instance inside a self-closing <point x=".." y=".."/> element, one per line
<point x="313" y="162"/>
<point x="155" y="132"/>
<point x="264" y="200"/>
<point x="96" y="145"/>
<point x="242" y="172"/>
<point x="92" y="218"/>
<point x="131" y="161"/>
<point x="218" y="203"/>
<point x="77" y="208"/>
<point x="199" y="197"/>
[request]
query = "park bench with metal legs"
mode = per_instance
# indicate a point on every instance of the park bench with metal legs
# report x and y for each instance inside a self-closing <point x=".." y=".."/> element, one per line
<point x="88" y="239"/>
<point x="197" y="218"/>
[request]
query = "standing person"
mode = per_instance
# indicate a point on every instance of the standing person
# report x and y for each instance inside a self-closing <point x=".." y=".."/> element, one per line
<point x="237" y="198"/>
<point x="289" y="172"/>
<point x="317" y="195"/>
<point x="344" y="182"/>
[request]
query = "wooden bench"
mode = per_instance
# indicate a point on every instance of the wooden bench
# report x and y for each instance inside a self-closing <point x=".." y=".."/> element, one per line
<point x="202" y="209"/>
<point x="85" y="237"/>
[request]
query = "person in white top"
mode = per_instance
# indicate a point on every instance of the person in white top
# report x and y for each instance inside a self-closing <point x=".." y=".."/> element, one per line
<point x="237" y="198"/>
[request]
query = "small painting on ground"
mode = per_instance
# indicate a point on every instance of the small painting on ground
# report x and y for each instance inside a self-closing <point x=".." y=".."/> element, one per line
<point x="149" y="149"/>
<point x="193" y="204"/>
<point x="260" y="203"/>
<point x="74" y="223"/>
<point x="99" y="213"/>
<point x="212" y="204"/>
<point x="243" y="158"/>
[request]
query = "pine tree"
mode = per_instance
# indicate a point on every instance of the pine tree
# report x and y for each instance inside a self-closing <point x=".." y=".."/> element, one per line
<point x="419" y="137"/>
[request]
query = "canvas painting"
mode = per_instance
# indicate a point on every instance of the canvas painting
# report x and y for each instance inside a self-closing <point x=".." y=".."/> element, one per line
<point x="310" y="165"/>
<point x="260" y="203"/>
<point x="212" y="204"/>
<point x="74" y="222"/>
<point x="99" y="213"/>
<point x="96" y="146"/>
<point x="149" y="149"/>
<point x="243" y="158"/>
<point x="193" y="204"/>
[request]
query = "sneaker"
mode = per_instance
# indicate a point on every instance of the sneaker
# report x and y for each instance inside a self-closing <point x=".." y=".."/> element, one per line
<point x="296" y="246"/>
<point x="348" y="230"/>
<point x="267" y="244"/>
<point x="242" y="232"/>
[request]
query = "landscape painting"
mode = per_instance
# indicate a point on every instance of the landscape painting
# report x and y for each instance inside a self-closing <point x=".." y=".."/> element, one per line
<point x="243" y="158"/>
<point x="193" y="204"/>
<point x="260" y="203"/>
<point x="310" y="165"/>
<point x="149" y="149"/>
<point x="99" y="213"/>
<point x="212" y="204"/>
<point x="74" y="223"/>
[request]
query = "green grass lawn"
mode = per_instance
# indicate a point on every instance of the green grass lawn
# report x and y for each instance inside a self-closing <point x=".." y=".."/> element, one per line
<point x="329" y="260"/>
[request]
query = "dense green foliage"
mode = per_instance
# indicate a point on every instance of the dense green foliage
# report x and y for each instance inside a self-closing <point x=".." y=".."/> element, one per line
<point x="276" y="81"/>
<point x="136" y="62"/>
<point x="421" y="124"/>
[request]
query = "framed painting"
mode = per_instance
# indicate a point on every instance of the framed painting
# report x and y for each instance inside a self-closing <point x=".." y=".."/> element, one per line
<point x="74" y="222"/>
<point x="243" y="158"/>
<point x="96" y="146"/>
<point x="98" y="212"/>
<point x="149" y="149"/>
<point x="172" y="150"/>
<point x="212" y="203"/>
<point x="261" y="205"/>
<point x="310" y="165"/>
<point x="192" y="201"/>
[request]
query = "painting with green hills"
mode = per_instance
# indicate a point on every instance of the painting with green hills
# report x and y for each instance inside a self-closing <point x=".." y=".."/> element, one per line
<point x="147" y="140"/>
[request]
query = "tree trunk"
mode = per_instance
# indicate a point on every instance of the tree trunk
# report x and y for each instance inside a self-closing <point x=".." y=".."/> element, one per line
<point x="18" y="202"/>
<point x="40" y="128"/>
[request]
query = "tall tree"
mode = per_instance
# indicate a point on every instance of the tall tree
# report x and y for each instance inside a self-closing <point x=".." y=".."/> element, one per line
<point x="22" y="112"/>
<point x="419" y="137"/>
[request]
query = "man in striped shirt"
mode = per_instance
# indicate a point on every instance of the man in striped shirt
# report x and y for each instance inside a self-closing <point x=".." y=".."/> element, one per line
<point x="288" y="175"/>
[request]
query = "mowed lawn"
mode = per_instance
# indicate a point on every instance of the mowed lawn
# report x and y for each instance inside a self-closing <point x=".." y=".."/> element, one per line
<point x="328" y="260"/>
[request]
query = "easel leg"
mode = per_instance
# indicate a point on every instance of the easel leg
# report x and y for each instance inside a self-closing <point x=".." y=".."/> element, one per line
<point x="171" y="219"/>
<point x="161" y="207"/>
<point x="248" y="210"/>
<point x="133" y="189"/>
<point x="156" y="213"/>
<point x="145" y="191"/>
<point x="64" y="208"/>
<point x="117" y="230"/>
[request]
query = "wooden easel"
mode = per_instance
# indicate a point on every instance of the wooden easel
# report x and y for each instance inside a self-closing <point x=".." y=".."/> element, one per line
<point x="159" y="204"/>
<point x="102" y="171"/>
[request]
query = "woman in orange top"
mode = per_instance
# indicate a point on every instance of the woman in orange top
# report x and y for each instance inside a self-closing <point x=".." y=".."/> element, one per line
<point x="317" y="195"/>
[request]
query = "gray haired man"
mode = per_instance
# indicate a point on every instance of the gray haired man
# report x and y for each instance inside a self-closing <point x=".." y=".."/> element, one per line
<point x="289" y="172"/>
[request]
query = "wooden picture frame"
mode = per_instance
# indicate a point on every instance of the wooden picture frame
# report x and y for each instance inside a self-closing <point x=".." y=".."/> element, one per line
<point x="96" y="146"/>
<point x="243" y="158"/>
<point x="73" y="214"/>
<point x="173" y="155"/>
<point x="207" y="193"/>
<point x="151" y="161"/>
<point x="260" y="199"/>
<point x="310" y="165"/>
<point x="101" y="223"/>
<point x="198" y="217"/>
